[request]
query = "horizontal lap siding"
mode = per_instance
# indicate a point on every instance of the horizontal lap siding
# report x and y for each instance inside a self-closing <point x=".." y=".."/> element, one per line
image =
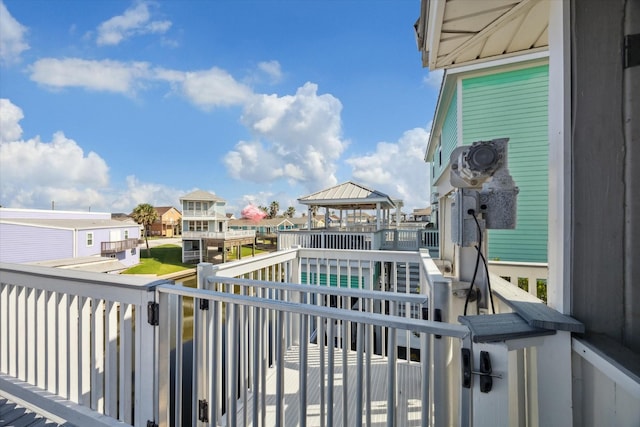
<point x="23" y="243"/>
<point x="514" y="104"/>
<point x="448" y="139"/>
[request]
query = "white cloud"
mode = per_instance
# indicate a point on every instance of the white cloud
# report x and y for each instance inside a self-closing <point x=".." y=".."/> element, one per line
<point x="298" y="138"/>
<point x="138" y="192"/>
<point x="34" y="173"/>
<point x="105" y="75"/>
<point x="434" y="78"/>
<point x="213" y="88"/>
<point x="272" y="69"/>
<point x="134" y="21"/>
<point x="10" y="116"/>
<point x="12" y="37"/>
<point x="397" y="169"/>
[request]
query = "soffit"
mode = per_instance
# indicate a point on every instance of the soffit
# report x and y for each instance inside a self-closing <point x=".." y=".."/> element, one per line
<point x="460" y="32"/>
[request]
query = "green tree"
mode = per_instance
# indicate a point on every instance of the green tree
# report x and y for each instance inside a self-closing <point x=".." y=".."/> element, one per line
<point x="145" y="215"/>
<point x="290" y="212"/>
<point x="274" y="207"/>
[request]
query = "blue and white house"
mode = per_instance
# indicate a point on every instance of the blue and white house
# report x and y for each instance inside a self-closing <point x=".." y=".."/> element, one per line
<point x="36" y="236"/>
<point x="205" y="225"/>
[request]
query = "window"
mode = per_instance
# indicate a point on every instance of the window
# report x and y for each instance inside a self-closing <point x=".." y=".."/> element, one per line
<point x="89" y="239"/>
<point x="126" y="234"/>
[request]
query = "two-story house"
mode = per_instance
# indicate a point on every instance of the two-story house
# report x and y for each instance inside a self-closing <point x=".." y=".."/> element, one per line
<point x="168" y="224"/>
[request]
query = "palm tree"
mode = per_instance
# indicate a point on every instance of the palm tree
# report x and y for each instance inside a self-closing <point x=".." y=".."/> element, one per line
<point x="145" y="215"/>
<point x="274" y="207"/>
<point x="290" y="212"/>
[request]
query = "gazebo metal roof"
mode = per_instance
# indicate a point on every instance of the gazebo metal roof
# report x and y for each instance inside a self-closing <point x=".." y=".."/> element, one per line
<point x="348" y="195"/>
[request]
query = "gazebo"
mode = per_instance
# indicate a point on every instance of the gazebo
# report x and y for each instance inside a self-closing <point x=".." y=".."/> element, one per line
<point x="350" y="198"/>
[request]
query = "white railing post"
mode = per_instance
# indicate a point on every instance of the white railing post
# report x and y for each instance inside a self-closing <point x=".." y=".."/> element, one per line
<point x="146" y="365"/>
<point x="554" y="377"/>
<point x="490" y="407"/>
<point x="439" y="310"/>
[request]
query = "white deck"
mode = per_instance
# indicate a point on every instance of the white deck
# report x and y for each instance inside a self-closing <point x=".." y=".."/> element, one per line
<point x="408" y="394"/>
<point x="12" y="414"/>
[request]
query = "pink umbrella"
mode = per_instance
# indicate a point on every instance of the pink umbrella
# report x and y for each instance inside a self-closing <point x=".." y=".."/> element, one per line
<point x="252" y="213"/>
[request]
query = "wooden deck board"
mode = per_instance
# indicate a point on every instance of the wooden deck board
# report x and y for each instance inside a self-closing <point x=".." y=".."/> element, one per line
<point x="408" y="396"/>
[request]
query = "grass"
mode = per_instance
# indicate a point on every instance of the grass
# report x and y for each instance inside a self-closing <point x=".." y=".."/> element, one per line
<point x="164" y="259"/>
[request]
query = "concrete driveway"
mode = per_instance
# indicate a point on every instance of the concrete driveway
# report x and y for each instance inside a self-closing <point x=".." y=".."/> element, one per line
<point x="164" y="241"/>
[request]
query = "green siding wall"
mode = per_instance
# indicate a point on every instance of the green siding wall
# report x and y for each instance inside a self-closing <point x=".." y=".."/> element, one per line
<point x="356" y="282"/>
<point x="448" y="139"/>
<point x="514" y="104"/>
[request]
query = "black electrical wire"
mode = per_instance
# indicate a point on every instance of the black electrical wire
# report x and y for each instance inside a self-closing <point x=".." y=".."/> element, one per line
<point x="486" y="270"/>
<point x="475" y="270"/>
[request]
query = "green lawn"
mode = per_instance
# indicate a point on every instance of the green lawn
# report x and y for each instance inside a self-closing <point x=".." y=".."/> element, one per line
<point x="164" y="259"/>
<point x="167" y="259"/>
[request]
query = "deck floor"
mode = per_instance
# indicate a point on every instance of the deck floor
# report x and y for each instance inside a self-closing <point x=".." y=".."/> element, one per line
<point x="15" y="415"/>
<point x="408" y="395"/>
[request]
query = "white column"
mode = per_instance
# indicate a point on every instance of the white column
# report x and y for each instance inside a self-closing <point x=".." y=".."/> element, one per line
<point x="559" y="246"/>
<point x="378" y="219"/>
<point x="554" y="379"/>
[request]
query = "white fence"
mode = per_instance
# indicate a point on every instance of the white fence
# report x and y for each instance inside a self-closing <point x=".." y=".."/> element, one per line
<point x="388" y="239"/>
<point x="314" y="302"/>
<point x="523" y="274"/>
<point x="344" y="314"/>
<point x="81" y="337"/>
<point x="328" y="239"/>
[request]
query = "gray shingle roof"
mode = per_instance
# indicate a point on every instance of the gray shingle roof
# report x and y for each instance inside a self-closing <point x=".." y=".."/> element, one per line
<point x="201" y="195"/>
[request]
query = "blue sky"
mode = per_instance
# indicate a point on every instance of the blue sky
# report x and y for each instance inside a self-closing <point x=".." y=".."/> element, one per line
<point x="107" y="104"/>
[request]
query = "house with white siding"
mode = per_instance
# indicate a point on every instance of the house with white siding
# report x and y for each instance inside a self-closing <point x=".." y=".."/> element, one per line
<point x="205" y="228"/>
<point x="68" y="238"/>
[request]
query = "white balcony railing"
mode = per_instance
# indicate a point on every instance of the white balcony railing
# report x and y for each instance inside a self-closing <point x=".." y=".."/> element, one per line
<point x="230" y="234"/>
<point x="304" y="334"/>
<point x="203" y="213"/>
<point x="80" y="338"/>
<point x="388" y="239"/>
<point x="529" y="276"/>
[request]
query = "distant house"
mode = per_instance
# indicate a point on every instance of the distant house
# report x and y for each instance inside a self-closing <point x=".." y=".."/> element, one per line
<point x="168" y="224"/>
<point x="205" y="228"/>
<point x="360" y="217"/>
<point x="67" y="238"/>
<point x="264" y="226"/>
<point x="301" y="222"/>
<point x="421" y="215"/>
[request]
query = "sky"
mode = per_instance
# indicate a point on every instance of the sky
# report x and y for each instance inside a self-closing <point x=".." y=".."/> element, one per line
<point x="105" y="104"/>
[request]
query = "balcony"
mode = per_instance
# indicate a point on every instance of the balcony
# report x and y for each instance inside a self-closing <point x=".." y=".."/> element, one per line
<point x="307" y="336"/>
<point x="203" y="213"/>
<point x="110" y="248"/>
<point x="362" y="238"/>
<point x="221" y="235"/>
